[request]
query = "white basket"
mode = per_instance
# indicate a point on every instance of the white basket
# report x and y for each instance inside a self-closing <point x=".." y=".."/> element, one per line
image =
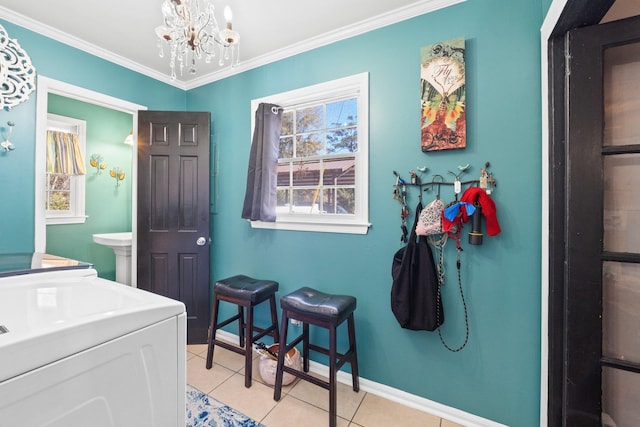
<point x="268" y="365"/>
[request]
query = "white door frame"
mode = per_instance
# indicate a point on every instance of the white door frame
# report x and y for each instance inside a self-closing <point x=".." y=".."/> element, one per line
<point x="46" y="85"/>
<point x="550" y="22"/>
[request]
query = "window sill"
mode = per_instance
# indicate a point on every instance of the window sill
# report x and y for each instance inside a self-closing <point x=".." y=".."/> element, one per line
<point x="326" y="227"/>
<point x="66" y="220"/>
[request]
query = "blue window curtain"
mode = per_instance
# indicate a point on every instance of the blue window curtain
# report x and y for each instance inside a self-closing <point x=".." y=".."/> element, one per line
<point x="64" y="154"/>
<point x="260" y="198"/>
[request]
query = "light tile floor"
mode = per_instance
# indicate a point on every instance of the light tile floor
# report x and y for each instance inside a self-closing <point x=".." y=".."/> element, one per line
<point x="302" y="403"/>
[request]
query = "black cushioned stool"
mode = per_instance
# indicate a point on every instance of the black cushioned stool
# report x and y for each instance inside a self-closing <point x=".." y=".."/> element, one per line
<point x="312" y="307"/>
<point x="245" y="292"/>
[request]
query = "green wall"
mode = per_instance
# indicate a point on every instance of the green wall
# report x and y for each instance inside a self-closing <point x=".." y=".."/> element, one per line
<point x="108" y="207"/>
<point x="497" y="375"/>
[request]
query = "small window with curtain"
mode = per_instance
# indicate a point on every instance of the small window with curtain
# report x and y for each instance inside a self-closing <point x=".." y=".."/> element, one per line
<point x="322" y="170"/>
<point x="65" y="170"/>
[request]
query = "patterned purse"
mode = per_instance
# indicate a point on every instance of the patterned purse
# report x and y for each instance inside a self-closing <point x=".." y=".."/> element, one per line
<point x="430" y="221"/>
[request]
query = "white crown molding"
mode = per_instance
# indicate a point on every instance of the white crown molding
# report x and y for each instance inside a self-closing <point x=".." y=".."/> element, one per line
<point x="398" y="15"/>
<point x="68" y="39"/>
<point x="407" y="12"/>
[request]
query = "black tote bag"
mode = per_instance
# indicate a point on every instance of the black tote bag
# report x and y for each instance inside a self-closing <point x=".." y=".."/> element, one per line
<point x="415" y="300"/>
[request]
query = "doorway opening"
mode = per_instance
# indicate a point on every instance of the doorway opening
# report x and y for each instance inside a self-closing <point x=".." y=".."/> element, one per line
<point x="46" y="86"/>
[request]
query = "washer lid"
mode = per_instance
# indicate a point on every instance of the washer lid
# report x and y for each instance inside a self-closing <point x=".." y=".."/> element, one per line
<point x="15" y="264"/>
<point x="45" y="317"/>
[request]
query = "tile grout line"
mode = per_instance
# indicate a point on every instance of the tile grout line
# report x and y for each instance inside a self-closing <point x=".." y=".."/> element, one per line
<point x="357" y="409"/>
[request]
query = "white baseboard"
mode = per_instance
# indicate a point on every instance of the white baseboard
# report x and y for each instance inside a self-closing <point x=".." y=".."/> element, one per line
<point x="411" y="400"/>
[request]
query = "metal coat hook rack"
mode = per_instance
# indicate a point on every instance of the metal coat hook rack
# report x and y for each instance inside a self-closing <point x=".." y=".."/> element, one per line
<point x="486" y="181"/>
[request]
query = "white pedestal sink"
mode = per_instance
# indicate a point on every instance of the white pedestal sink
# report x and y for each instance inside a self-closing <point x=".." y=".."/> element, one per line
<point x="121" y="245"/>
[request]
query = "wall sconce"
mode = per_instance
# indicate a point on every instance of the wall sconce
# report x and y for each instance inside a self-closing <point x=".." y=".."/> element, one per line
<point x="129" y="139"/>
<point x="6" y="144"/>
<point x="118" y="174"/>
<point x="96" y="162"/>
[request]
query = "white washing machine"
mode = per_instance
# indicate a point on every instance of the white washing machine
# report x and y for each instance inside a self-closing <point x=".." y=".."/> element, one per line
<point x="77" y="350"/>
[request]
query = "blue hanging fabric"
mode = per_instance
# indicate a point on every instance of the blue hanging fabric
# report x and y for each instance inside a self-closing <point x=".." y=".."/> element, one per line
<point x="454" y="210"/>
<point x="260" y="198"/>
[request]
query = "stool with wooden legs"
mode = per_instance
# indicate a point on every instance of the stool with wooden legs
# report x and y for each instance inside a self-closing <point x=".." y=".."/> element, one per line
<point x="312" y="307"/>
<point x="246" y="293"/>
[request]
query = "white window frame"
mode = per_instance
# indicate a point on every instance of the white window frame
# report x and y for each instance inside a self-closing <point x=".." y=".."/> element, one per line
<point x="356" y="86"/>
<point x="76" y="213"/>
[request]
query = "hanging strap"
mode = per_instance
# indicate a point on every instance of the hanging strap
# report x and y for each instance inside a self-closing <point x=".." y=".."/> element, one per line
<point x="464" y="304"/>
<point x="438" y="246"/>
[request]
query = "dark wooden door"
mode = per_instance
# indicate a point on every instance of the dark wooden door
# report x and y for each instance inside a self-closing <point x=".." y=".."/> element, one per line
<point x="601" y="354"/>
<point x="173" y="211"/>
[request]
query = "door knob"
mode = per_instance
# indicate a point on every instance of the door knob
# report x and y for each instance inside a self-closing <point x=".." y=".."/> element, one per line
<point x="202" y="241"/>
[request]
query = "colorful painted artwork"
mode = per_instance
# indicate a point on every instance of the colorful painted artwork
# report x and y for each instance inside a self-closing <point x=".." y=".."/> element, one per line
<point x="442" y="87"/>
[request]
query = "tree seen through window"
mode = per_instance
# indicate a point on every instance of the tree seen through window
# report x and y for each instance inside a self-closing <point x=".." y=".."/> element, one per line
<point x="316" y="165"/>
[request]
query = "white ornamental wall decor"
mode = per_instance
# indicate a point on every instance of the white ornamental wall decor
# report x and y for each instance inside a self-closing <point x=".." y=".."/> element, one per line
<point x="17" y="74"/>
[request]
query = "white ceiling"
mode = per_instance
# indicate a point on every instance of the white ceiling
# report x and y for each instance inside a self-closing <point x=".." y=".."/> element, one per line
<point x="122" y="31"/>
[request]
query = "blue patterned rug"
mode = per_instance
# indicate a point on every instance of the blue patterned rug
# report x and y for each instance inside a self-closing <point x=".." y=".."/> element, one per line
<point x="205" y="411"/>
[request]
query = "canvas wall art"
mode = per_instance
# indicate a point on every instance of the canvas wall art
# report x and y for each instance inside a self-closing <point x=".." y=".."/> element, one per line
<point x="442" y="87"/>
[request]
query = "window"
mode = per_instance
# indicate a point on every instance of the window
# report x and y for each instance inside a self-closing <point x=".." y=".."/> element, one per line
<point x="323" y="157"/>
<point x="65" y="186"/>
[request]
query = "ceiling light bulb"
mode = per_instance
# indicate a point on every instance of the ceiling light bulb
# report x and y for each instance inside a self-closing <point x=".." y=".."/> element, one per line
<point x="228" y="16"/>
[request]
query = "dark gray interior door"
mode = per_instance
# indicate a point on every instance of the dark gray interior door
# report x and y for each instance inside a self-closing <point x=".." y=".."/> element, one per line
<point x="601" y="354"/>
<point x="173" y="211"/>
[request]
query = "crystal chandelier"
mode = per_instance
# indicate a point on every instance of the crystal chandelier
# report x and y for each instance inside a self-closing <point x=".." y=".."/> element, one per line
<point x="192" y="32"/>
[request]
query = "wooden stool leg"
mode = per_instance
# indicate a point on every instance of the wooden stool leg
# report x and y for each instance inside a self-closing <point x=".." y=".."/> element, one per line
<point x="248" y="351"/>
<point x="274" y="319"/>
<point x="333" y="389"/>
<point x="241" y="325"/>
<point x="305" y="347"/>
<point x="212" y="332"/>
<point x="277" y="388"/>
<point x="351" y="326"/>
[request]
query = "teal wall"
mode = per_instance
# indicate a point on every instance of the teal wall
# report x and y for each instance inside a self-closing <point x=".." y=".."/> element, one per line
<point x="497" y="375"/>
<point x="61" y="62"/>
<point x="17" y="176"/>
<point x="108" y="207"/>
